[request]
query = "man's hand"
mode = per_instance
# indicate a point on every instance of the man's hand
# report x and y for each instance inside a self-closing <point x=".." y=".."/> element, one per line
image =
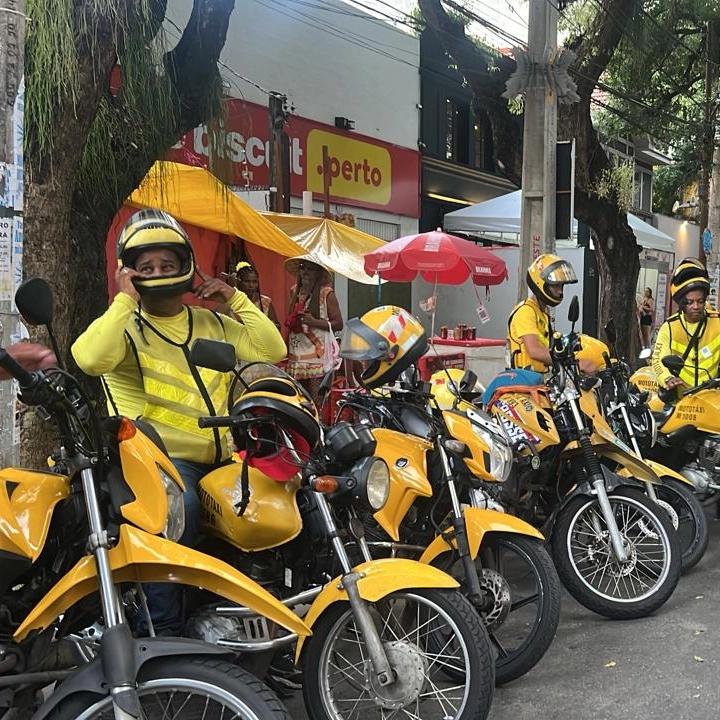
<point x="212" y="288"/>
<point x="32" y="356"/>
<point x="588" y="367"/>
<point x="675" y="382"/>
<point x="124" y="281"/>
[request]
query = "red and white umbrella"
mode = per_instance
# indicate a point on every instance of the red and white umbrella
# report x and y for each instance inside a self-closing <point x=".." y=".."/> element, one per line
<point x="438" y="257"/>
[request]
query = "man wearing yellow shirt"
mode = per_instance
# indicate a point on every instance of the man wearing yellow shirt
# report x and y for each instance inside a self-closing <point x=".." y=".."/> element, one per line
<point x="693" y="332"/>
<point x="529" y="325"/>
<point x="140" y="347"/>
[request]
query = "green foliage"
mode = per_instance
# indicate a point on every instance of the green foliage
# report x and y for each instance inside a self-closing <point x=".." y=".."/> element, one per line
<point x="129" y="130"/>
<point x="516" y="105"/>
<point x="658" y="76"/>
<point x="616" y="183"/>
<point x="50" y="69"/>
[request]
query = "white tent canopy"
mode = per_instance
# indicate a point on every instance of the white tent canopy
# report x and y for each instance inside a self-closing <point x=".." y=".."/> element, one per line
<point x="502" y="215"/>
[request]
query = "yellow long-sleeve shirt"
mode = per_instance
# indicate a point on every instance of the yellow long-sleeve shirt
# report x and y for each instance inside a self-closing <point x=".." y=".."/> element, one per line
<point x="105" y="348"/>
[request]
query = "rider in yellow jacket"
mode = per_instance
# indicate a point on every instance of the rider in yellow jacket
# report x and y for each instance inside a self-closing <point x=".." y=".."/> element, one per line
<point x="693" y="332"/>
<point x="529" y="325"/>
<point x="140" y="347"/>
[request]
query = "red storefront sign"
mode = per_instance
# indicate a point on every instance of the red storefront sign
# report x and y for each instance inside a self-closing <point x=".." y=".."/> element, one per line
<point x="365" y="172"/>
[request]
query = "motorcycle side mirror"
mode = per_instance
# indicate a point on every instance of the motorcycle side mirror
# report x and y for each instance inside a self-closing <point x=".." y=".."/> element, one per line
<point x="468" y="381"/>
<point x="574" y="311"/>
<point x="610" y="331"/>
<point x="34" y="300"/>
<point x="213" y="354"/>
<point x="674" y="363"/>
<point x="326" y="383"/>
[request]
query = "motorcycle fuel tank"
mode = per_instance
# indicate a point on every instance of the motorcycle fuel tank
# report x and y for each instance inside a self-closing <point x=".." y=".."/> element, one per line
<point x="271" y="518"/>
<point x="524" y="420"/>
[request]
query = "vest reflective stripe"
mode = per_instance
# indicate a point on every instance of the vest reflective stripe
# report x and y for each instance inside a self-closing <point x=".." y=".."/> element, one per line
<point x="710" y="339"/>
<point x="173" y="399"/>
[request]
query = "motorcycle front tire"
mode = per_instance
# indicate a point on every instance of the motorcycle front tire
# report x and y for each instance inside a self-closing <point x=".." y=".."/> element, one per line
<point x="587" y="565"/>
<point x="693" y="528"/>
<point x="185" y="683"/>
<point x="415" y="627"/>
<point x="537" y="588"/>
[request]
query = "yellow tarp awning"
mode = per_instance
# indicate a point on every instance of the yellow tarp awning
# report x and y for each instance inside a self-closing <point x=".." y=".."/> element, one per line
<point x="340" y="248"/>
<point x="195" y="196"/>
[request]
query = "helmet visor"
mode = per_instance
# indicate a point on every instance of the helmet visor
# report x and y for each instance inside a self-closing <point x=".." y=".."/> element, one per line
<point x="361" y="342"/>
<point x="559" y="273"/>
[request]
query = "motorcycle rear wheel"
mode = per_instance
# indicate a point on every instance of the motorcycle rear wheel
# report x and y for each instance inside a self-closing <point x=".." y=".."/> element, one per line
<point x="586" y="562"/>
<point x="692" y="523"/>
<point x="187" y="687"/>
<point x="338" y="682"/>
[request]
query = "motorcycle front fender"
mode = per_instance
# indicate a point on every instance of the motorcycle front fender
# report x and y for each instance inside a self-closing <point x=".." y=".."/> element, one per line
<point x="478" y="522"/>
<point x="612" y="480"/>
<point x="378" y="578"/>
<point x="617" y="452"/>
<point x="141" y="557"/>
<point x="91" y="678"/>
<point x="662" y="471"/>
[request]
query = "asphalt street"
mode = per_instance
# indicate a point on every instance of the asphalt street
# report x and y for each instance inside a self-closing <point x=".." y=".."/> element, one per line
<point x="666" y="666"/>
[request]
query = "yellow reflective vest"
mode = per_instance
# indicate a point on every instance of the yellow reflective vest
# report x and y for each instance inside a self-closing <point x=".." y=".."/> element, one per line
<point x="176" y="392"/>
<point x="702" y="359"/>
<point x="527" y="318"/>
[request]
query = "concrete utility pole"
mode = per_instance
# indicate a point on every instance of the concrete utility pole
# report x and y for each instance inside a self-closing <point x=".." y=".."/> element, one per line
<point x="279" y="159"/>
<point x="12" y="33"/>
<point x="542" y="76"/>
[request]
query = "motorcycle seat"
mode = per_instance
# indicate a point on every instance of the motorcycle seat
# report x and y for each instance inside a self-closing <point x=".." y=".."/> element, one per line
<point x="508" y="381"/>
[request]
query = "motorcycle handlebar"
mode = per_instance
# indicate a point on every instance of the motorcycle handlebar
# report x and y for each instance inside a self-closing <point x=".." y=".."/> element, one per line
<point x="210" y="422"/>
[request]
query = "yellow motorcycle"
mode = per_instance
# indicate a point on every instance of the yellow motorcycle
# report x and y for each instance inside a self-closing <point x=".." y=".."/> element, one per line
<point x="632" y="420"/>
<point x="687" y="436"/>
<point x="390" y="636"/>
<point x="615" y="549"/>
<point x="437" y="512"/>
<point x="105" y="518"/>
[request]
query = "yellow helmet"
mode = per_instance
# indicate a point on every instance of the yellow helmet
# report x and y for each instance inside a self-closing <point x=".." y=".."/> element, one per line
<point x="281" y="425"/>
<point x="690" y="274"/>
<point x="152" y="229"/>
<point x="445" y="386"/>
<point x="549" y="270"/>
<point x="593" y="350"/>
<point x="388" y="338"/>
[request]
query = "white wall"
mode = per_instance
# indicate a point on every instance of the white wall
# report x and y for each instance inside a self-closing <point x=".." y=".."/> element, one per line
<point x="686" y="234"/>
<point x="329" y="59"/>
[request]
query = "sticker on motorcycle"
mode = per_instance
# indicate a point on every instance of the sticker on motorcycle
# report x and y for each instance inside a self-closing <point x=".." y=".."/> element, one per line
<point x="515" y="432"/>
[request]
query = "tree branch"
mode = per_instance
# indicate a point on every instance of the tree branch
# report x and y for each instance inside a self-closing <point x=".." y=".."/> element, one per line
<point x="192" y="64"/>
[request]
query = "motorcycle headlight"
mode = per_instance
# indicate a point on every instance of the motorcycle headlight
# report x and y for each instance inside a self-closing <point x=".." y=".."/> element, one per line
<point x="498" y="445"/>
<point x="373" y="482"/>
<point x="175" y="523"/>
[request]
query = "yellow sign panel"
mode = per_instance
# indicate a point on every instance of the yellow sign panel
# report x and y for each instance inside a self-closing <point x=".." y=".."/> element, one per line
<point x="358" y="170"/>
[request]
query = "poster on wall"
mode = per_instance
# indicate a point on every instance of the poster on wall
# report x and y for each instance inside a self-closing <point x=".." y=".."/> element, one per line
<point x="715" y="285"/>
<point x="6" y="270"/>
